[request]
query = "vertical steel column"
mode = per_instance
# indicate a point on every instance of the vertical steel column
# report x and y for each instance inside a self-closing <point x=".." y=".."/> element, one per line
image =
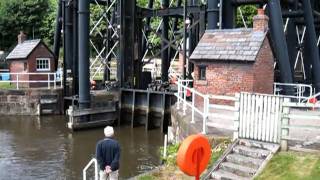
<point x="84" y="72"/>
<point x="292" y="39"/>
<point x="292" y="43"/>
<point x="193" y="36"/>
<point x="75" y="68"/>
<point x="119" y="15"/>
<point x="229" y="14"/>
<point x="68" y="35"/>
<point x="57" y="34"/>
<point x="213" y="14"/>
<point x="64" y="49"/>
<point x="280" y="45"/>
<point x="127" y="34"/>
<point x="108" y="45"/>
<point x="147" y="28"/>
<point x="312" y="40"/>
<point x="164" y="49"/>
<point x="175" y="22"/>
<point x="185" y="33"/>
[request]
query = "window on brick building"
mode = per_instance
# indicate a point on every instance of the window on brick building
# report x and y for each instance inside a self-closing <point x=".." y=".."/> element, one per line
<point x="43" y="64"/>
<point x="202" y="72"/>
<point x="25" y="66"/>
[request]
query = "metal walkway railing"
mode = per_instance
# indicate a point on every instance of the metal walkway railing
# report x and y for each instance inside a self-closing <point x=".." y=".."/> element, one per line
<point x="92" y="162"/>
<point x="32" y="78"/>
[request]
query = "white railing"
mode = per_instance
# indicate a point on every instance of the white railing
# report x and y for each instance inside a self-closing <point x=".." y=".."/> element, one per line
<point x="204" y="107"/>
<point x="92" y="162"/>
<point x="299" y="117"/>
<point x="301" y="90"/>
<point x="18" y="78"/>
<point x="181" y="95"/>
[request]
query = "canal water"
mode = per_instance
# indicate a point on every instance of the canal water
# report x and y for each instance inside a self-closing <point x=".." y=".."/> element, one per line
<point x="33" y="148"/>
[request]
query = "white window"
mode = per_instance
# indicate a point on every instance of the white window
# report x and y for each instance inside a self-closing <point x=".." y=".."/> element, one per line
<point x="43" y="64"/>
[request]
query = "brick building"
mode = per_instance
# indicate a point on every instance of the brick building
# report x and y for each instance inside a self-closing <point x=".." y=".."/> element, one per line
<point x="31" y="56"/>
<point x="235" y="60"/>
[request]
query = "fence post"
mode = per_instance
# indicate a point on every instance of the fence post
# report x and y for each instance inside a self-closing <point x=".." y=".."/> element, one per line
<point x="285" y="121"/>
<point x="184" y="100"/>
<point x="178" y="103"/>
<point x="48" y="81"/>
<point x="193" y="107"/>
<point x="205" y="113"/>
<point x="236" y="117"/>
<point x="55" y="80"/>
<point x="17" y="81"/>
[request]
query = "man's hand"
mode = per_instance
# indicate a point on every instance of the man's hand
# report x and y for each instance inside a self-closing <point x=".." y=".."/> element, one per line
<point x="108" y="169"/>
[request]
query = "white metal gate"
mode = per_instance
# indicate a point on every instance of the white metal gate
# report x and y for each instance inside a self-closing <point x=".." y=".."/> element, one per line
<point x="260" y="117"/>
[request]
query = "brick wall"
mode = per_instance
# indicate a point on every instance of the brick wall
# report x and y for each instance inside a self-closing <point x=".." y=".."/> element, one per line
<point x="225" y="78"/>
<point x="263" y="70"/>
<point x="40" y="52"/>
<point x="228" y="78"/>
<point x="17" y="66"/>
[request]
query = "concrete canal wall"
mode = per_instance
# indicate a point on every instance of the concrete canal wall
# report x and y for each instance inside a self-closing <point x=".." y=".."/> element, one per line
<point x="31" y="102"/>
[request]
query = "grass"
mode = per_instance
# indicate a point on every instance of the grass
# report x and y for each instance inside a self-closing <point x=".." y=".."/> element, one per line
<point x="7" y="85"/>
<point x="292" y="166"/>
<point x="171" y="171"/>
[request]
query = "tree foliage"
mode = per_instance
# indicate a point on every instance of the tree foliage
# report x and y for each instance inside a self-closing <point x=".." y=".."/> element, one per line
<point x="37" y="19"/>
<point x="248" y="11"/>
<point x="34" y="17"/>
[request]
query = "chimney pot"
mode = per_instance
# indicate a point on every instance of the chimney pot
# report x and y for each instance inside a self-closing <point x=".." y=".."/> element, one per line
<point x="21" y="37"/>
<point x="260" y="21"/>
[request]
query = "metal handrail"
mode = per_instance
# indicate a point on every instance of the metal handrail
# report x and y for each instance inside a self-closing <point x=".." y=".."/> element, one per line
<point x="182" y="97"/>
<point x="49" y="80"/>
<point x="301" y="89"/>
<point x="84" y="171"/>
<point x="205" y="112"/>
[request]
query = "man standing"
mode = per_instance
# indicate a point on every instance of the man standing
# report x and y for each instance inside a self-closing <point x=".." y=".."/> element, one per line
<point x="108" y="155"/>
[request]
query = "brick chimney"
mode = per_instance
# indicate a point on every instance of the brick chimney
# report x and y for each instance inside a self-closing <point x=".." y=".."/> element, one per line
<point x="260" y="21"/>
<point x="21" y="37"/>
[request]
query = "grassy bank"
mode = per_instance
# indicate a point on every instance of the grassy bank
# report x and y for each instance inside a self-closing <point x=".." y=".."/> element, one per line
<point x="292" y="166"/>
<point x="7" y="85"/>
<point x="171" y="171"/>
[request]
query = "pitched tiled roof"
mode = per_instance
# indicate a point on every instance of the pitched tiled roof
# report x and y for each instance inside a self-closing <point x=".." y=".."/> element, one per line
<point x="229" y="44"/>
<point x="23" y="50"/>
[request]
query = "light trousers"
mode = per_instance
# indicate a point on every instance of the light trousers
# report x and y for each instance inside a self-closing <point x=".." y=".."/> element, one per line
<point x="114" y="175"/>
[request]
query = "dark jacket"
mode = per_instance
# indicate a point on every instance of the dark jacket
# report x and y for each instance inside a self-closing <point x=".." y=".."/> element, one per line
<point x="108" y="154"/>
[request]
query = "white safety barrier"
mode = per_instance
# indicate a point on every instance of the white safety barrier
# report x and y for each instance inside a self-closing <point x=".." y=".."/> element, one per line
<point x="18" y="78"/>
<point x="92" y="162"/>
<point x="303" y="91"/>
<point x="204" y="106"/>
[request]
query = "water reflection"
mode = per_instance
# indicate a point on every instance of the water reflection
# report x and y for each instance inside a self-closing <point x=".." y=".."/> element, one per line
<point x="31" y="148"/>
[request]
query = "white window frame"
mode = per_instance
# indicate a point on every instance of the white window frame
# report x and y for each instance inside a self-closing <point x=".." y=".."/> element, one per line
<point x="43" y="59"/>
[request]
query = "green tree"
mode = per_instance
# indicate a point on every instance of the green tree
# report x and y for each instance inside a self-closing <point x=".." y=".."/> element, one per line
<point x="248" y="11"/>
<point x="34" y="17"/>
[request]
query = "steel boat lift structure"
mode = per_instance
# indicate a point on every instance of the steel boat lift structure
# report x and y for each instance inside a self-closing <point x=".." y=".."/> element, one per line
<point x="123" y="31"/>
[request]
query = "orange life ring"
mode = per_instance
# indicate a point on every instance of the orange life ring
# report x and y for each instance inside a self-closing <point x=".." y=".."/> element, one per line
<point x="194" y="155"/>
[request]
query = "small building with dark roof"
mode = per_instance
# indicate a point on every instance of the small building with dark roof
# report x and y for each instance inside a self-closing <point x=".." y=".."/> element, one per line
<point x="235" y="60"/>
<point x="31" y="56"/>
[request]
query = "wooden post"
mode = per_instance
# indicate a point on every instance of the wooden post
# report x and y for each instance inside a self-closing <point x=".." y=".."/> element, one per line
<point x="285" y="121"/>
